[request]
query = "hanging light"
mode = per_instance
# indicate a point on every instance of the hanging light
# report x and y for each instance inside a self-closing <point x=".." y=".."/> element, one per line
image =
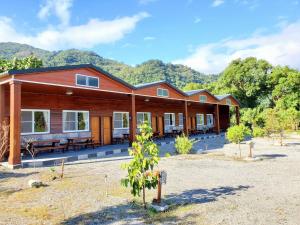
<point x="69" y="92"/>
<point x="147" y="100"/>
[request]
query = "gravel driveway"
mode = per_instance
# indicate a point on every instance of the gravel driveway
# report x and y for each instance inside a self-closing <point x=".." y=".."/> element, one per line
<point x="211" y="188"/>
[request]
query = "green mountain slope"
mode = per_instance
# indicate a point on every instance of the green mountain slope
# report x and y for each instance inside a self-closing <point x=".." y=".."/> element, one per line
<point x="148" y="71"/>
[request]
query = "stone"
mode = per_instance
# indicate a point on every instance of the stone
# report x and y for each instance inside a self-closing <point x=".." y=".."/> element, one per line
<point x="160" y="207"/>
<point x="35" y="183"/>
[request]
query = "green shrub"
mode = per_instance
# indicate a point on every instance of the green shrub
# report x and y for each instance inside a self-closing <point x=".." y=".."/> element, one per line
<point x="183" y="145"/>
<point x="258" y="132"/>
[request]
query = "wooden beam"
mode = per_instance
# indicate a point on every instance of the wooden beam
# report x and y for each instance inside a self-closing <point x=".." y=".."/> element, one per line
<point x="217" y="119"/>
<point x="14" y="159"/>
<point x="237" y="115"/>
<point x="186" y="119"/>
<point x="132" y="116"/>
<point x="2" y="103"/>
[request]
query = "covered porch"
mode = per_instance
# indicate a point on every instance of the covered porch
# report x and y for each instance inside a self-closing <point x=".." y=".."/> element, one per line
<point x="95" y="112"/>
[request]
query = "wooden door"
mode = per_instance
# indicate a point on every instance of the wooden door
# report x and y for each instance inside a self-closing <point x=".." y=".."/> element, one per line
<point x="189" y="123"/>
<point x="161" y="125"/>
<point x="107" y="130"/>
<point x="193" y="122"/>
<point x="96" y="128"/>
<point x="153" y="122"/>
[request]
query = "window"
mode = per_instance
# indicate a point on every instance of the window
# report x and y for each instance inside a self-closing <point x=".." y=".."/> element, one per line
<point x="203" y="98"/>
<point x="75" y="121"/>
<point x="228" y="101"/>
<point x="83" y="80"/>
<point x="143" y="117"/>
<point x="210" y="119"/>
<point x="169" y="119"/>
<point x="162" y="92"/>
<point x="200" y="119"/>
<point x="121" y="120"/>
<point x="180" y="118"/>
<point x="35" y="121"/>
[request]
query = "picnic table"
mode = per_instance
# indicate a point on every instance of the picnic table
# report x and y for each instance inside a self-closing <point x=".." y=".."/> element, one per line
<point x="80" y="142"/>
<point x="34" y="147"/>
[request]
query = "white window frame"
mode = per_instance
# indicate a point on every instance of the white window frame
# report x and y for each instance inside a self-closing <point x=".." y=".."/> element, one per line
<point x="207" y="116"/>
<point x="127" y="113"/>
<point x="87" y="77"/>
<point x="33" y="111"/>
<point x="143" y="113"/>
<point x="228" y="101"/>
<point x="200" y="115"/>
<point x="202" y="100"/>
<point x="76" y="122"/>
<point x="180" y="114"/>
<point x="173" y="119"/>
<point x="162" y="90"/>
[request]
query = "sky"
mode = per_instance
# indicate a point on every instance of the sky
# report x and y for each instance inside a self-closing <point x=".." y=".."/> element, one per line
<point x="202" y="34"/>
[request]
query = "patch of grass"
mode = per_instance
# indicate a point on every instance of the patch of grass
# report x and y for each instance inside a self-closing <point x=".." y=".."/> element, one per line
<point x="37" y="212"/>
<point x="26" y="195"/>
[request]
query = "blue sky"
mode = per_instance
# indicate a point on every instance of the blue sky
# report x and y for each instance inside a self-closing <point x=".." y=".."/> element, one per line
<point x="205" y="34"/>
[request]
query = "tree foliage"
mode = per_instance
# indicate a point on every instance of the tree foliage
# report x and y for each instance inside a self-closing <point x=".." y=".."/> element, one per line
<point x="25" y="63"/>
<point x="237" y="134"/>
<point x="140" y="169"/>
<point x="183" y="144"/>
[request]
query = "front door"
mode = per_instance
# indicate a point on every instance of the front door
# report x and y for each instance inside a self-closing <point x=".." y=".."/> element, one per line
<point x="96" y="128"/>
<point x="160" y="125"/>
<point x="107" y="130"/>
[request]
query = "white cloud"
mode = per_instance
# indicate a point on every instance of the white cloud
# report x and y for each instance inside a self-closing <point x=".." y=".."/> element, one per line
<point x="149" y="38"/>
<point x="197" y="20"/>
<point x="278" y="48"/>
<point x="94" y="32"/>
<point x="59" y="8"/>
<point x="217" y="3"/>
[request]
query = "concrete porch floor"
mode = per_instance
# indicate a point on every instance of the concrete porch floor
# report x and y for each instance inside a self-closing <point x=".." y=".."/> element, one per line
<point x="203" y="142"/>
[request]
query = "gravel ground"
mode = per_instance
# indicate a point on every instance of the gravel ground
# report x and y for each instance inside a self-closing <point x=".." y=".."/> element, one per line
<point x="215" y="187"/>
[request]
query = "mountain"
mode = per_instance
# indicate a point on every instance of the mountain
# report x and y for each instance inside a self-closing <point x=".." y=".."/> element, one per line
<point x="151" y="70"/>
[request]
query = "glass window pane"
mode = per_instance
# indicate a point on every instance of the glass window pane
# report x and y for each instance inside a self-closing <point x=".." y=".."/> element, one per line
<point x="125" y="120"/>
<point x="81" y="80"/>
<point x="117" y="116"/>
<point x="140" y="119"/>
<point x="82" y="119"/>
<point x="40" y="122"/>
<point x="117" y="124"/>
<point x="26" y="116"/>
<point x="93" y="82"/>
<point x="70" y="116"/>
<point x="26" y="127"/>
<point x="69" y="126"/>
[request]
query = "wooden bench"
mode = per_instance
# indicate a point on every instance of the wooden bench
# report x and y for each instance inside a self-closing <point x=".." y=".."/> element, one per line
<point x="80" y="142"/>
<point x="44" y="145"/>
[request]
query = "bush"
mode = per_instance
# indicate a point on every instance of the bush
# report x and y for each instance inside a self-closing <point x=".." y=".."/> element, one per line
<point x="258" y="132"/>
<point x="183" y="145"/>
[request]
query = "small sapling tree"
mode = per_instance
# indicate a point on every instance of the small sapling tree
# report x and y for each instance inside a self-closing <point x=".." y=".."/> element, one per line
<point x="141" y="174"/>
<point x="237" y="134"/>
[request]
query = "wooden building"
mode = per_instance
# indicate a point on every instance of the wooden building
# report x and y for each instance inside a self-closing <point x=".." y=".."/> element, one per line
<point x="84" y="100"/>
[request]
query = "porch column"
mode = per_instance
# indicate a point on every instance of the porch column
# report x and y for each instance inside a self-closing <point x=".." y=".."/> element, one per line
<point x="185" y="118"/>
<point x="14" y="159"/>
<point x="217" y="119"/>
<point x="2" y="103"/>
<point x="132" y="115"/>
<point x="237" y="115"/>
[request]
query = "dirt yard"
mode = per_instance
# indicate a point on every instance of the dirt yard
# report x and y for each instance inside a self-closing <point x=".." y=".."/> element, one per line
<point x="212" y="188"/>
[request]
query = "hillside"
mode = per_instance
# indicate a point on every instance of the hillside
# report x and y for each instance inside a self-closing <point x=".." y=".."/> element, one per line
<point x="148" y="71"/>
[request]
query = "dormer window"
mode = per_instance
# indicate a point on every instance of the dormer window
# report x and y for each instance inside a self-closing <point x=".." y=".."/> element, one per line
<point x="161" y="92"/>
<point x="228" y="101"/>
<point x="87" y="81"/>
<point x="203" y="98"/>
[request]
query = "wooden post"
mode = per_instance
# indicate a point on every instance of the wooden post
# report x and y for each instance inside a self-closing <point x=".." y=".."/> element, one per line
<point x="185" y="119"/>
<point x="2" y="103"/>
<point x="132" y="115"/>
<point x="217" y="119"/>
<point x="14" y="159"/>
<point x="237" y="115"/>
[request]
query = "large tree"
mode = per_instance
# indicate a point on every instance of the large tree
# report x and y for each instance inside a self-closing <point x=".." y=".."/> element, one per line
<point x="25" y="63"/>
<point x="246" y="80"/>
